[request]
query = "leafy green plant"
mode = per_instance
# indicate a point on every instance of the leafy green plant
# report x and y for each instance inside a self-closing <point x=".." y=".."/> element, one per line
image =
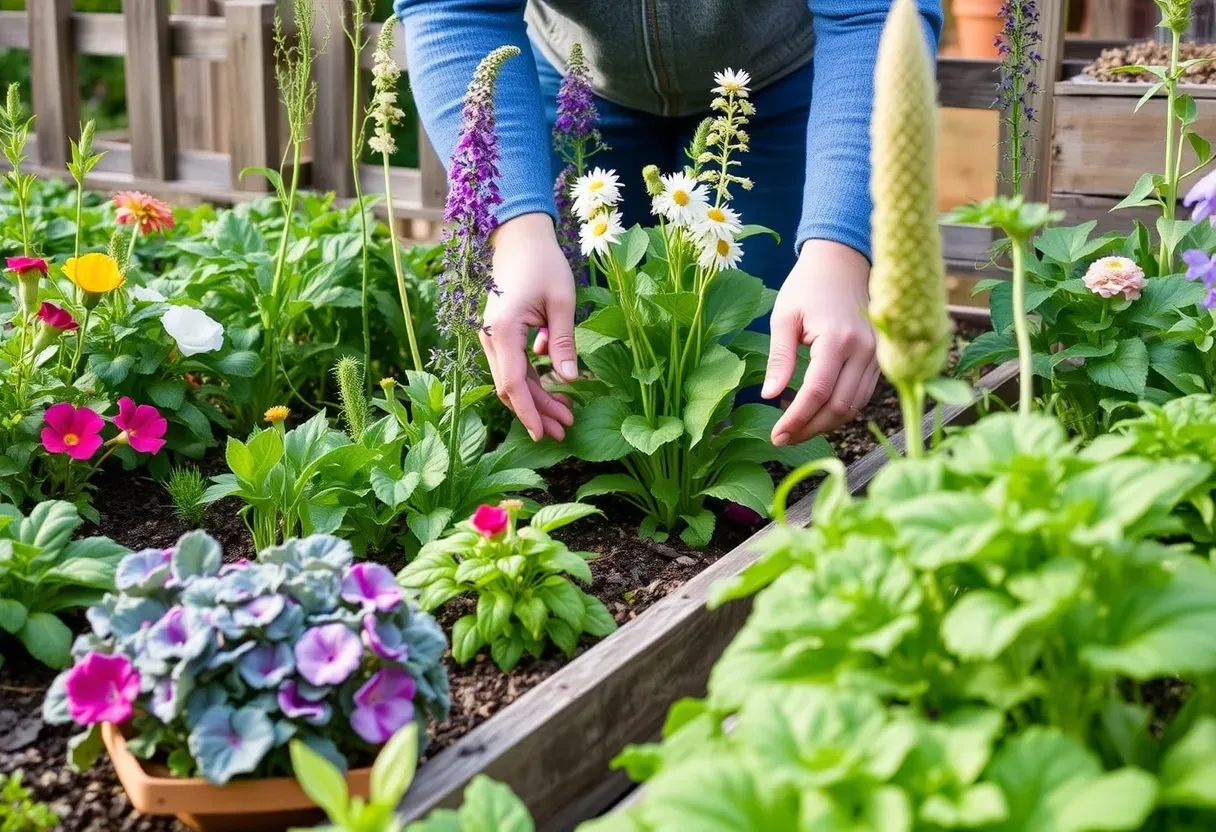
<point x="45" y="573"/>
<point x="519" y="577"/>
<point x="18" y="811"/>
<point x="188" y="490"/>
<point x="488" y="807"/>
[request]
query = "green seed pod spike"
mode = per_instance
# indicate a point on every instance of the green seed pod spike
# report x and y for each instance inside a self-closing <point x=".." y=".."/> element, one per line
<point x="907" y="282"/>
<point x="349" y="374"/>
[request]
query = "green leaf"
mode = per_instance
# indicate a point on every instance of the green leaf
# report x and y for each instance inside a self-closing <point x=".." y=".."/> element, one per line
<point x="631" y="248"/>
<point x="601" y="328"/>
<point x="494" y="614"/>
<point x="111" y="370"/>
<point x="562" y="635"/>
<point x="492" y="807"/>
<point x="1068" y="244"/>
<point x="466" y="639"/>
<point x="1144" y="188"/>
<point x="1125" y="370"/>
<point x="393" y="491"/>
<point x="167" y="394"/>
<point x="429" y="459"/>
<point x="239" y="459"/>
<point x="321" y="781"/>
<point x="1188" y="770"/>
<point x="506" y="652"/>
<point x="532" y="613"/>
<point x="428" y="527"/>
<point x="596" y="435"/>
<point x="715" y="378"/>
<point x="983" y="624"/>
<point x="565" y="600"/>
<point x="562" y="514"/>
<point x="47" y="639"/>
<point x="394" y="768"/>
<point x="48" y="528"/>
<point x="1172" y="232"/>
<point x="85" y="748"/>
<point x="85" y="572"/>
<point x="746" y="483"/>
<point x="638" y="432"/>
<point x="12" y="615"/>
<point x="1163" y="297"/>
<point x="752" y="230"/>
<point x="988" y="348"/>
<point x="700" y="528"/>
<point x="597" y="621"/>
<point x="611" y="484"/>
<point x="239" y="364"/>
<point x="716" y="794"/>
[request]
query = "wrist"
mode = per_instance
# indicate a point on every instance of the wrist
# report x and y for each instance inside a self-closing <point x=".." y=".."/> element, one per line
<point x="835" y="262"/>
<point x="533" y="227"/>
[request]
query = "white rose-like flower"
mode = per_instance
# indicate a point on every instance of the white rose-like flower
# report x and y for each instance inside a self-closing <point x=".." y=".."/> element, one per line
<point x="147" y="295"/>
<point x="193" y="330"/>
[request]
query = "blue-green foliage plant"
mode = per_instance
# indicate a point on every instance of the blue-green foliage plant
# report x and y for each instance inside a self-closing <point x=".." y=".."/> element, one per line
<point x="222" y="651"/>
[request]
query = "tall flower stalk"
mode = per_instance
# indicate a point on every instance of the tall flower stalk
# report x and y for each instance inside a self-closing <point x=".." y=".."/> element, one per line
<point x="907" y="283"/>
<point x="14" y="133"/>
<point x="353" y="26"/>
<point x="472" y="198"/>
<point x="1176" y="17"/>
<point x="1018" y="46"/>
<point x="576" y="139"/>
<point x="386" y="115"/>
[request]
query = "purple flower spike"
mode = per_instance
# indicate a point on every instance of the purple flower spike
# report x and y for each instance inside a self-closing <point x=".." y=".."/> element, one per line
<point x="328" y="654"/>
<point x="296" y="706"/>
<point x="383" y="705"/>
<point x="372" y="585"/>
<point x="576" y="113"/>
<point x="384" y="638"/>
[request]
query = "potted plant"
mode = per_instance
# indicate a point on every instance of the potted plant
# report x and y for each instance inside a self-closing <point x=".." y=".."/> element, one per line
<point x="197" y="673"/>
<point x="978" y="23"/>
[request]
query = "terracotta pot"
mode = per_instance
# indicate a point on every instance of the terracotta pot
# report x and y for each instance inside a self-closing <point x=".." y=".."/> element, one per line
<point x="270" y="805"/>
<point x="978" y="22"/>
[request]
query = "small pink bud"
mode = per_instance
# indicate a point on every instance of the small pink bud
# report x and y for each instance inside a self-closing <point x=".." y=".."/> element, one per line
<point x="490" y="521"/>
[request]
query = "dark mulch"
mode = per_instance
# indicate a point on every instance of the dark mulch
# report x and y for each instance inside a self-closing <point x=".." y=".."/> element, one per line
<point x="629" y="575"/>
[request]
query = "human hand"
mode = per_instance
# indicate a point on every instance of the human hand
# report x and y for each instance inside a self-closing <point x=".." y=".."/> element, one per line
<point x="535" y="288"/>
<point x="822" y="303"/>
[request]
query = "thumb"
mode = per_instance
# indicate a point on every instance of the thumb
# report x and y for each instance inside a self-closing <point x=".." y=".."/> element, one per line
<point x="560" y="312"/>
<point x="782" y="354"/>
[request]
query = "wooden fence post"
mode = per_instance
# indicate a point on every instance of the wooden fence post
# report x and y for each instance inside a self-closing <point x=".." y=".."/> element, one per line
<point x="331" y="168"/>
<point x="53" y="71"/>
<point x="253" y="95"/>
<point x="1037" y="185"/>
<point x="201" y="114"/>
<point x="1108" y="19"/>
<point x="150" y="94"/>
<point x="431" y="172"/>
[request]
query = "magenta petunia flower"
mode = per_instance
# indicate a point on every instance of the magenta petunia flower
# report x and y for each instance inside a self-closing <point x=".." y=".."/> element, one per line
<point x="142" y="426"/>
<point x="71" y="430"/>
<point x="101" y="689"/>
<point x="295" y="706"/>
<point x="25" y="265"/>
<point x="328" y="654"/>
<point x="383" y="638"/>
<point x="490" y="521"/>
<point x="56" y="318"/>
<point x="383" y="705"/>
<point x="372" y="585"/>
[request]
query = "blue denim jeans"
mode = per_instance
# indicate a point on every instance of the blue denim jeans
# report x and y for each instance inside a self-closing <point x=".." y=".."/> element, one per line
<point x="776" y="163"/>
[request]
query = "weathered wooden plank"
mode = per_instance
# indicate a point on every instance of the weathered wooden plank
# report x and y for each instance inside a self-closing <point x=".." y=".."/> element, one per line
<point x="191" y="35"/>
<point x="407" y="191"/>
<point x="14" y="30"/>
<point x="1109" y="19"/>
<point x="968" y="83"/>
<point x="552" y="745"/>
<point x="151" y="106"/>
<point x="202" y="122"/>
<point x="53" y="74"/>
<point x="1036" y="185"/>
<point x="253" y="97"/>
<point x="335" y="97"/>
<point x="431" y="169"/>
<point x="1081" y="208"/>
<point x="200" y="35"/>
<point x="1133" y="90"/>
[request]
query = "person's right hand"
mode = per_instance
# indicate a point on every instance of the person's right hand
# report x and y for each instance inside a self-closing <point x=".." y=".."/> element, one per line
<point x="535" y="288"/>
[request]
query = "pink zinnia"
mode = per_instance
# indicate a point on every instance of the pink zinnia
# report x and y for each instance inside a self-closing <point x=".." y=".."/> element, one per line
<point x="142" y="426"/>
<point x="1114" y="275"/>
<point x="22" y="265"/>
<point x="71" y="430"/>
<point x="489" y="521"/>
<point x="148" y="212"/>
<point x="56" y="318"/>
<point x="101" y="689"/>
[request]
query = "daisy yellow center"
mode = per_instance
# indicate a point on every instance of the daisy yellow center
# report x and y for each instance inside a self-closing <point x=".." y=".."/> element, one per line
<point x="71" y="439"/>
<point x="723" y="248"/>
<point x="600" y="228"/>
<point x="716" y="215"/>
<point x="680" y="198"/>
<point x="596" y="184"/>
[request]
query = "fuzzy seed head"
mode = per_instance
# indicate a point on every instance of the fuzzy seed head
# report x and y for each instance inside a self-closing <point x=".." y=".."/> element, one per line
<point x="349" y="374"/>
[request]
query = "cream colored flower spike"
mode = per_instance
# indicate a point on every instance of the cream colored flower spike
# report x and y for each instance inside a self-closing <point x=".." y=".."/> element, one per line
<point x="907" y="283"/>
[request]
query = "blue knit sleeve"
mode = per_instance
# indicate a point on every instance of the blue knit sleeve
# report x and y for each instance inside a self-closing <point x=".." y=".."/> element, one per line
<point x="836" y="205"/>
<point x="445" y="40"/>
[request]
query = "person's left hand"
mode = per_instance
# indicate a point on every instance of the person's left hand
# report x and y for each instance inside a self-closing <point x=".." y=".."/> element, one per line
<point x="822" y="303"/>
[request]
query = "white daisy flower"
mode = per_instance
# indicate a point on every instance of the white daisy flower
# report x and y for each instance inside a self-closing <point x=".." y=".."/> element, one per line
<point x="598" y="189"/>
<point x="601" y="231"/>
<point x="731" y="82"/>
<point x="718" y="223"/>
<point x="681" y="200"/>
<point x="719" y="253"/>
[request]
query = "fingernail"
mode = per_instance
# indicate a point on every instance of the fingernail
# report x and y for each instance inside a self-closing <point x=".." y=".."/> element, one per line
<point x="570" y="370"/>
<point x="535" y="437"/>
<point x="780" y="439"/>
<point x="768" y="391"/>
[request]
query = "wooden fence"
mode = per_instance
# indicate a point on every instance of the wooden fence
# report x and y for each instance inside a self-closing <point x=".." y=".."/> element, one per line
<point x="190" y="140"/>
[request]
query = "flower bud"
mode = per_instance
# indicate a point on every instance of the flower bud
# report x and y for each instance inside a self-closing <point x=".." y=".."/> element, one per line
<point x="650" y="175"/>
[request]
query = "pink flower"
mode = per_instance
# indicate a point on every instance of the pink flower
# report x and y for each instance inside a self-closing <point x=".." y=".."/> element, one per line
<point x="101" y="689"/>
<point x="148" y="212"/>
<point x="490" y="521"/>
<point x="1111" y="275"/>
<point x="22" y="265"/>
<point x="142" y="426"/>
<point x="372" y="585"/>
<point x="57" y="318"/>
<point x="71" y="430"/>
<point x="383" y="705"/>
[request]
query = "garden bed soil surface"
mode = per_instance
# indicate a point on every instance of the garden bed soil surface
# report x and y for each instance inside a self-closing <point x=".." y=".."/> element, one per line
<point x="1151" y="53"/>
<point x="629" y="575"/>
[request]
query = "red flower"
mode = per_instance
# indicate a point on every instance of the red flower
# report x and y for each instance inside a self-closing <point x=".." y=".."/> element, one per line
<point x="71" y="430"/>
<point x="22" y="265"/>
<point x="490" y="521"/>
<point x="148" y="212"/>
<point x="57" y="318"/>
<point x="142" y="426"/>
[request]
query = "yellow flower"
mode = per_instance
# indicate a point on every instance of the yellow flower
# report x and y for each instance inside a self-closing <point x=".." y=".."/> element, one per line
<point x="94" y="273"/>
<point x="277" y="414"/>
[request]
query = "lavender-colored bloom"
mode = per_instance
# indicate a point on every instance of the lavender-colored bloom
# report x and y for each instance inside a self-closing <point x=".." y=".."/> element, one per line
<point x="1202" y="199"/>
<point x="371" y="585"/>
<point x="383" y="705"/>
<point x="576" y="113"/>
<point x="177" y="635"/>
<point x="260" y="612"/>
<point x="383" y="638"/>
<point x="328" y="654"/>
<point x="1016" y="45"/>
<point x="266" y="666"/>
<point x="567" y="223"/>
<point x="472" y="197"/>
<point x="1202" y="266"/>
<point x="143" y="572"/>
<point x="295" y="705"/>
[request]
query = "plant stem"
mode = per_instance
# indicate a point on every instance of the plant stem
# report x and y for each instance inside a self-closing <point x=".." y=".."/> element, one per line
<point x="1171" y="169"/>
<point x="80" y="332"/>
<point x="405" y="299"/>
<point x="356" y="145"/>
<point x="1021" y="327"/>
<point x="912" y="405"/>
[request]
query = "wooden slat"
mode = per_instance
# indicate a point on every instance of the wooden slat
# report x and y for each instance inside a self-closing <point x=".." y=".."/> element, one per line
<point x="407" y="191"/>
<point x="53" y="71"/>
<point x="968" y="83"/>
<point x="14" y="30"/>
<point x="433" y="175"/>
<point x="552" y="745"/>
<point x="202" y="121"/>
<point x="253" y="103"/>
<point x="199" y="35"/>
<point x="1109" y="19"/>
<point x="191" y="36"/>
<point x="1079" y="208"/>
<point x="1128" y="90"/>
<point x="335" y="96"/>
<point x="1037" y="185"/>
<point x="151" y="106"/>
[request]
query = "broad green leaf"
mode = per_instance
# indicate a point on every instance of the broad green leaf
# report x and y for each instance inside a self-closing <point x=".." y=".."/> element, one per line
<point x="239" y="364"/>
<point x="492" y="807"/>
<point x="494" y="614"/>
<point x="466" y="639"/>
<point x="631" y="248"/>
<point x="393" y="491"/>
<point x="111" y="370"/>
<point x="48" y="528"/>
<point x="610" y="484"/>
<point x="429" y="459"/>
<point x="395" y="765"/>
<point x="746" y="483"/>
<point x="12" y="615"/>
<point x="988" y="348"/>
<point x="1068" y="244"/>
<point x="562" y="514"/>
<point x="700" y="528"/>
<point x="983" y="624"/>
<point x="1125" y="370"/>
<point x="565" y="601"/>
<point x="428" y="527"/>
<point x="638" y="432"/>
<point x="532" y="613"/>
<point x="597" y="621"/>
<point x="734" y="299"/>
<point x="85" y="748"/>
<point x="1144" y="188"/>
<point x="595" y="435"/>
<point x="47" y="639"/>
<point x="266" y="448"/>
<point x="324" y="784"/>
<point x="87" y="572"/>
<point x="601" y="328"/>
<point x="715" y="794"/>
<point x="167" y="394"/>
<point x="562" y="635"/>
<point x="506" y="652"/>
<point x="1188" y="770"/>
<point x="715" y="378"/>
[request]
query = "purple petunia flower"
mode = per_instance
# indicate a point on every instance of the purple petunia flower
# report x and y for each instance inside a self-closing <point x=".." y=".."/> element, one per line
<point x="383" y="705"/>
<point x="1201" y="199"/>
<point x="372" y="585"/>
<point x="295" y="706"/>
<point x="1202" y="266"/>
<point x="383" y="638"/>
<point x="328" y="654"/>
